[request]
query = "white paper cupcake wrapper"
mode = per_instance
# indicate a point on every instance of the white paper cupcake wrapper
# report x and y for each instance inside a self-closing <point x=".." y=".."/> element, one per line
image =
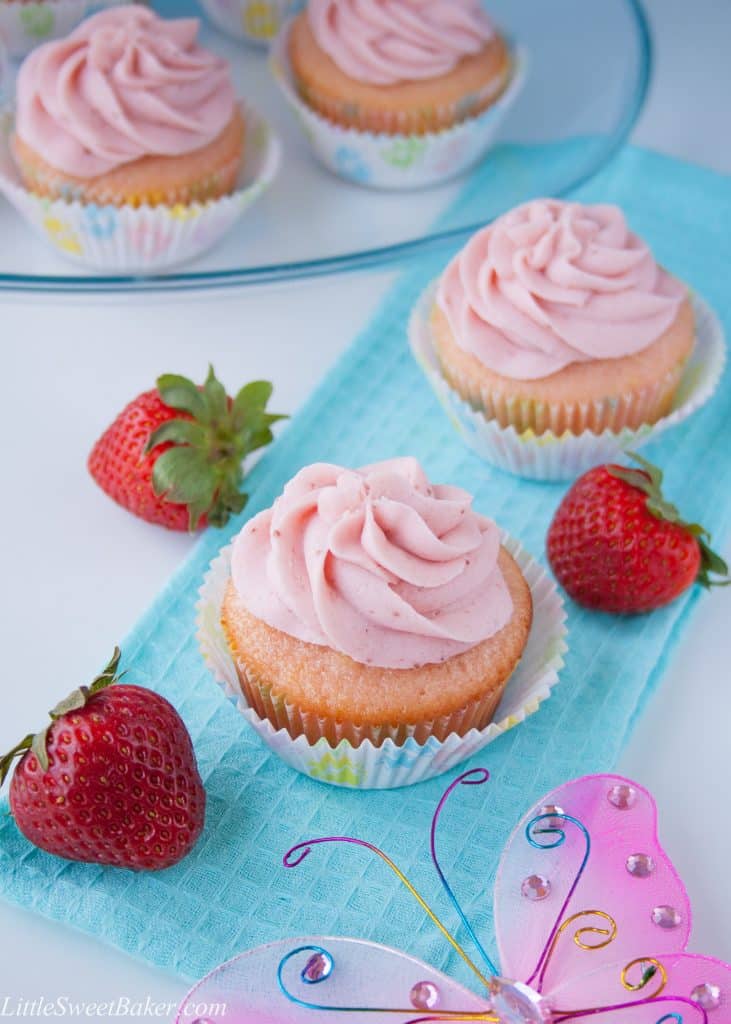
<point x="148" y="239"/>
<point x="392" y="765"/>
<point x="27" y="25"/>
<point x="395" y="161"/>
<point x="256" y="21"/>
<point x="547" y="456"/>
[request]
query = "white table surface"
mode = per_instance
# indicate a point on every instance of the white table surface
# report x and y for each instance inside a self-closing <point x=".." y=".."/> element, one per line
<point x="90" y="568"/>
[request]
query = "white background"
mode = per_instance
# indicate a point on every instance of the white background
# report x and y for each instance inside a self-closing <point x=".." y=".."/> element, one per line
<point x="86" y="568"/>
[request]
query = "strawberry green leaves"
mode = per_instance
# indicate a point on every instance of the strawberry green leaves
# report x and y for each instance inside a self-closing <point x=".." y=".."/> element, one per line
<point x="36" y="742"/>
<point x="19" y="750"/>
<point x="649" y="480"/>
<point x="203" y="467"/>
<point x="180" y="393"/>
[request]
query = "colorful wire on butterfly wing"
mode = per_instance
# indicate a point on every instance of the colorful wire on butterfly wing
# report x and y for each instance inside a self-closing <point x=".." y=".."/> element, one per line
<point x="305" y="848"/>
<point x="474" y="777"/>
<point x="548" y="949"/>
<point x="320" y="951"/>
<point x="560" y="1016"/>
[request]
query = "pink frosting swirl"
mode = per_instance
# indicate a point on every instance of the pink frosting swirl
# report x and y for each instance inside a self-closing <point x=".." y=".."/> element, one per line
<point x="125" y="84"/>
<point x="389" y="41"/>
<point x="553" y="283"/>
<point x="375" y="563"/>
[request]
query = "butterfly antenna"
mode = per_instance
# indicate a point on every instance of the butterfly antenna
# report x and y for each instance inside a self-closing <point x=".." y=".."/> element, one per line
<point x="297" y="854"/>
<point x="475" y="777"/>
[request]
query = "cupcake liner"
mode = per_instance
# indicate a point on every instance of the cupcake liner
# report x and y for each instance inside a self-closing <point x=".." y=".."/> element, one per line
<point x="283" y="715"/>
<point x="399" y="161"/>
<point x="145" y="239"/>
<point x="356" y="762"/>
<point x="410" y="124"/>
<point x="529" y="416"/>
<point x="218" y="180"/>
<point x="27" y="25"/>
<point x="256" y="21"/>
<point x="553" y="456"/>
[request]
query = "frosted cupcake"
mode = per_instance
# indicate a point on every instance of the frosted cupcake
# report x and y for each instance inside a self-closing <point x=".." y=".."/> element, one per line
<point x="128" y="111"/>
<point x="368" y="604"/>
<point x="397" y="66"/>
<point x="556" y="317"/>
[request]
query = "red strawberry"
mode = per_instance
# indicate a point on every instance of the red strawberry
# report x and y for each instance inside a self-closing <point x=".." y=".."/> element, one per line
<point x="174" y="456"/>
<point x="617" y="545"/>
<point x="112" y="780"/>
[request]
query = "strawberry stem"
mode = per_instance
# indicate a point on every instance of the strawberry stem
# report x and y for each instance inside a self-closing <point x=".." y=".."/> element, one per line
<point x="36" y="742"/>
<point x="203" y="466"/>
<point x="649" y="480"/>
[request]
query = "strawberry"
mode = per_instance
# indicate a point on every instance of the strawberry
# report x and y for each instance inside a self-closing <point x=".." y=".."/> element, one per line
<point x="112" y="780"/>
<point x="174" y="456"/>
<point x="617" y="545"/>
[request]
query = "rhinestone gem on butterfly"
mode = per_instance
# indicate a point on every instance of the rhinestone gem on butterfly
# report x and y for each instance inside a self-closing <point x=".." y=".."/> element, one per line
<point x="587" y="928"/>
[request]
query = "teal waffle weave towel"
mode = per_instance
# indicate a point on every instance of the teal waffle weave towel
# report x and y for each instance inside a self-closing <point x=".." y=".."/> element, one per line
<point x="232" y="892"/>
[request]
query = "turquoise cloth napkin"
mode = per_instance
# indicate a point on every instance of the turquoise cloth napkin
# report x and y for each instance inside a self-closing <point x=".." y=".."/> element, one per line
<point x="232" y="892"/>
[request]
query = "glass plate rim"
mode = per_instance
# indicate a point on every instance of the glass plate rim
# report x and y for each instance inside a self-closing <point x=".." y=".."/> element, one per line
<point x="378" y="257"/>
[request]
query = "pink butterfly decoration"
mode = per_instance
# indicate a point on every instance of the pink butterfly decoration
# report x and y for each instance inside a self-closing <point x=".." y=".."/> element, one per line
<point x="592" y="921"/>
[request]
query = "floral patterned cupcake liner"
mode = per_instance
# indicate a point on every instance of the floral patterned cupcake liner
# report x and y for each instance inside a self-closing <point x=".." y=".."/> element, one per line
<point x="24" y="25"/>
<point x="255" y="21"/>
<point x="390" y="765"/>
<point x="148" y="239"/>
<point x="547" y="456"/>
<point x="395" y="161"/>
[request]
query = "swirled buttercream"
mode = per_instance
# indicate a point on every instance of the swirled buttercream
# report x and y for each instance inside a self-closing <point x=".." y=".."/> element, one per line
<point x="553" y="283"/>
<point x="388" y="41"/>
<point x="125" y="84"/>
<point x="376" y="563"/>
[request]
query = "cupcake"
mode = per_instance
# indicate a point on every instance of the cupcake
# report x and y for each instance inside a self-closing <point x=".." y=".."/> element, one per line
<point x="397" y="66"/>
<point x="128" y="111"/>
<point x="370" y="604"/>
<point x="557" y="318"/>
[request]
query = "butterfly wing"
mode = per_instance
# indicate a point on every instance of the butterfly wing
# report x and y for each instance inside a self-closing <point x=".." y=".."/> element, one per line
<point x="362" y="975"/>
<point x="676" y="981"/>
<point x="644" y="909"/>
